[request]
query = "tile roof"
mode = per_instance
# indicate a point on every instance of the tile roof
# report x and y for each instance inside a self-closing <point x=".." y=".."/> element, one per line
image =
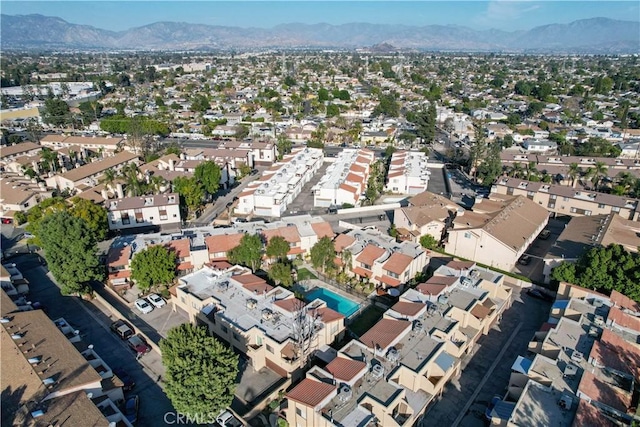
<point x="430" y="289"/>
<point x="589" y="415"/>
<point x="23" y="147"/>
<point x="322" y="229"/>
<point x="383" y="333"/>
<point x="345" y="369"/>
<point x="328" y="315"/>
<point x="93" y="168"/>
<point x="288" y="233"/>
<point x="369" y="254"/>
<point x="624" y="301"/>
<point x="623" y="319"/>
<point x="408" y="308"/>
<point x="342" y="241"/>
<point x="118" y="256"/>
<point x="310" y="392"/>
<point x="615" y="352"/>
<point x="290" y="304"/>
<point x="223" y="242"/>
<point x="397" y="263"/>
<point x="479" y="311"/>
<point x="181" y="247"/>
<point x="362" y="272"/>
<point x="387" y="280"/>
<point x="605" y="393"/>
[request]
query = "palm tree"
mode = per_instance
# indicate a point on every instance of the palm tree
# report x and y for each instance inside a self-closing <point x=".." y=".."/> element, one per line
<point x="346" y="257"/>
<point x="50" y="157"/>
<point x="516" y="170"/>
<point x="599" y="171"/>
<point x="130" y="175"/>
<point x="574" y="171"/>
<point x="108" y="177"/>
<point x="155" y="182"/>
<point x="532" y="171"/>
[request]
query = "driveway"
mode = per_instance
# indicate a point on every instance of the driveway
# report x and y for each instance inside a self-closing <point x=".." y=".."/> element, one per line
<point x="488" y="369"/>
<point x="538" y="249"/>
<point x="93" y="320"/>
<point x="303" y="203"/>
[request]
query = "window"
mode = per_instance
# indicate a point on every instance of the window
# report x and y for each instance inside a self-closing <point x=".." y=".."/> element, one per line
<point x="236" y="337"/>
<point x="366" y="266"/>
<point x="125" y="218"/>
<point x="565" y="199"/>
<point x="615" y="209"/>
<point x="302" y="412"/>
<point x="600" y="205"/>
<point x="174" y="215"/>
<point x="552" y="197"/>
<point x="573" y="210"/>
<point x="138" y="214"/>
<point x="224" y="329"/>
<point x="467" y="235"/>
<point x="392" y="274"/>
<point x="163" y="214"/>
<point x="551" y="205"/>
<point x="587" y="213"/>
<point x="269" y="348"/>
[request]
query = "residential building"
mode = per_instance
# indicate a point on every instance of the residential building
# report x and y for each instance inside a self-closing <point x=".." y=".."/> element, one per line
<point x="379" y="259"/>
<point x="404" y="362"/>
<point x="345" y="180"/>
<point x="427" y="213"/>
<point x="408" y="173"/>
<point x="271" y="194"/>
<point x="497" y="231"/>
<point x="266" y="324"/>
<point x="263" y="153"/>
<point x="87" y="175"/>
<point x="563" y="200"/>
<point x="534" y="145"/>
<point x="19" y="194"/>
<point x="160" y="210"/>
<point x="12" y="152"/>
<point x="47" y="379"/>
<point x="95" y="144"/>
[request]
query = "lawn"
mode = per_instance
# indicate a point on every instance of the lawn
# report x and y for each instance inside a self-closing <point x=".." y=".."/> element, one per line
<point x="304" y="274"/>
<point x="366" y="320"/>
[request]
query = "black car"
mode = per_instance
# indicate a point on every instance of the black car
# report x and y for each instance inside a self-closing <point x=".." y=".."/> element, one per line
<point x="126" y="379"/>
<point x="537" y="294"/>
<point x="544" y="235"/>
<point x="524" y="259"/>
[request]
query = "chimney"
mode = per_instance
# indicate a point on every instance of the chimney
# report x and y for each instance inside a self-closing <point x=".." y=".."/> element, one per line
<point x="119" y="191"/>
<point x="172" y="165"/>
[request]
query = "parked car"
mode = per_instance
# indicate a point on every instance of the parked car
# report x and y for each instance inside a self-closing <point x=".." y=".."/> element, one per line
<point x="126" y="379"/>
<point x="524" y="259"/>
<point x="227" y="419"/>
<point x="156" y="300"/>
<point x="544" y="235"/>
<point x="131" y="408"/>
<point x="123" y="329"/>
<point x="139" y="345"/>
<point x="143" y="305"/>
<point x="537" y="294"/>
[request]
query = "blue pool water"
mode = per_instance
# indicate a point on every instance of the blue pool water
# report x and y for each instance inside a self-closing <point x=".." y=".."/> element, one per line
<point x="334" y="301"/>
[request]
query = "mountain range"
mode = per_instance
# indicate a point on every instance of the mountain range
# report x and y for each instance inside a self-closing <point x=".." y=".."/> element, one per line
<point x="595" y="35"/>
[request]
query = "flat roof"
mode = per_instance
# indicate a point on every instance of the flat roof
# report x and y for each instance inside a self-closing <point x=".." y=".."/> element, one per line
<point x="538" y="407"/>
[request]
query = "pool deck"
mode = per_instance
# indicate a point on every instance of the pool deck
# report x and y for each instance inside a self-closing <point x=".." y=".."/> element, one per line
<point x="317" y="283"/>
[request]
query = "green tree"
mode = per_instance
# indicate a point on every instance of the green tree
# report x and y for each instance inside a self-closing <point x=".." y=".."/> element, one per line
<point x="208" y="174"/>
<point x="248" y="252"/>
<point x="323" y="254"/>
<point x="277" y="248"/>
<point x="284" y="145"/>
<point x="332" y="110"/>
<point x="94" y="215"/>
<point x="200" y="103"/>
<point x="191" y="193"/>
<point x="387" y="106"/>
<point x="201" y="372"/>
<point x="153" y="266"/>
<point x="281" y="274"/>
<point x="428" y="241"/>
<point x="71" y="251"/>
<point x="56" y="112"/>
<point x="90" y="111"/>
<point x="323" y="94"/>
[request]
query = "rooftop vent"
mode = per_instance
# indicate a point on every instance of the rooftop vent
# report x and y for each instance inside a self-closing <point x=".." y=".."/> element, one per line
<point x="345" y="393"/>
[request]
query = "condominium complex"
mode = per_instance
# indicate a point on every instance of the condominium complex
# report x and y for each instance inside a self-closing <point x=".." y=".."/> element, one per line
<point x="268" y="324"/>
<point x="402" y="364"/>
<point x="564" y="200"/>
<point x="378" y="259"/>
<point x="408" y="173"/>
<point x="345" y="180"/>
<point x="156" y="210"/>
<point x="271" y="194"/>
<point x="584" y="365"/>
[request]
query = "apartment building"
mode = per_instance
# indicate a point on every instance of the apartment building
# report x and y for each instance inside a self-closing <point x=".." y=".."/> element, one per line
<point x="19" y="194"/>
<point x="268" y="324"/>
<point x="198" y="246"/>
<point x="160" y="210"/>
<point x="87" y="175"/>
<point x="404" y="362"/>
<point x="584" y="368"/>
<point x="408" y="173"/>
<point x="262" y="153"/>
<point x="427" y="213"/>
<point x="12" y="152"/>
<point x="535" y="145"/>
<point x="497" y="231"/>
<point x="47" y="379"/>
<point x="379" y="259"/>
<point x="280" y="185"/>
<point x="345" y="180"/>
<point x="95" y="144"/>
<point x="564" y="200"/>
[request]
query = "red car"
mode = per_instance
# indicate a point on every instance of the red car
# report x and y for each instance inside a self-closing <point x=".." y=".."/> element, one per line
<point x="139" y="345"/>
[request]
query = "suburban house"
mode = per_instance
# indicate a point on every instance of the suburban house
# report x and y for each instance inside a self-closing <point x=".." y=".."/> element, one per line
<point x="160" y="210"/>
<point x="263" y="153"/>
<point x="563" y="200"/>
<point x="271" y="194"/>
<point x="269" y="325"/>
<point x="539" y="145"/>
<point x="427" y="213"/>
<point x="58" y="376"/>
<point x="378" y="259"/>
<point x="88" y="175"/>
<point x="403" y="363"/>
<point x="408" y="173"/>
<point x="497" y="231"/>
<point x="345" y="180"/>
<point x="19" y="194"/>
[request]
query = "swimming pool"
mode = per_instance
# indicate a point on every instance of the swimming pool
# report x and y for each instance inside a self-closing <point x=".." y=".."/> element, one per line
<point x="334" y="301"/>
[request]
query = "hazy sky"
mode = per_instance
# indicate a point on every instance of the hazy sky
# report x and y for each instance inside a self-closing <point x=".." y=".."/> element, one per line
<point x="501" y="14"/>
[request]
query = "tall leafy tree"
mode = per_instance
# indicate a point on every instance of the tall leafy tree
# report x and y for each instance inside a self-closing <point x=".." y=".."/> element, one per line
<point x="323" y="254"/>
<point x="248" y="252"/>
<point x="190" y="191"/>
<point x="94" y="215"/>
<point x="71" y="251"/>
<point x="280" y="273"/>
<point x="56" y="112"/>
<point x="153" y="266"/>
<point x="277" y="248"/>
<point x="201" y="372"/>
<point x="208" y="174"/>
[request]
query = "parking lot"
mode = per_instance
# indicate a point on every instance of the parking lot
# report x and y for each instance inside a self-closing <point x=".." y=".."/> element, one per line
<point x="92" y="321"/>
<point x="488" y="368"/>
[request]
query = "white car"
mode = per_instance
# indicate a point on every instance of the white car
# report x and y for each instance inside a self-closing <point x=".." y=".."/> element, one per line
<point x="156" y="300"/>
<point x="142" y="305"/>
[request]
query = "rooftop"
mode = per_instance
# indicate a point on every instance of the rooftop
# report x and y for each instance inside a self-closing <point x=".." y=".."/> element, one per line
<point x="539" y="406"/>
